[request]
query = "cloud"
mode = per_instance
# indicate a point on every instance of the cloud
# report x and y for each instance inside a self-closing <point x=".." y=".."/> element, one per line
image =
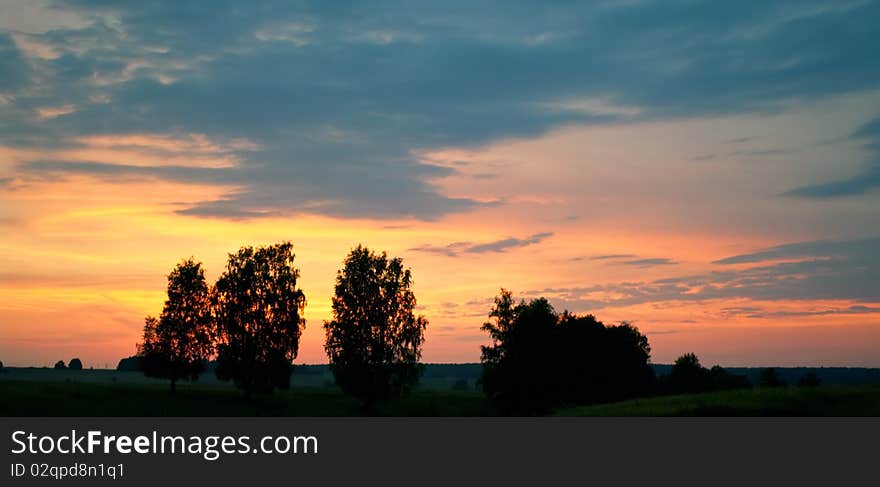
<point x="612" y="256"/>
<point x="630" y="260"/>
<point x="340" y="99"/>
<point x="802" y="271"/>
<point x="740" y="140"/>
<point x="864" y="182"/>
<point x="502" y="245"/>
<point x="649" y="262"/>
<point x="55" y="112"/>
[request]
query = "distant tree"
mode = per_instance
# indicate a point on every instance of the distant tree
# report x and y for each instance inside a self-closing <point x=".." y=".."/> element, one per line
<point x="258" y="311"/>
<point x="374" y="340"/>
<point x="75" y="364"/>
<point x="177" y="345"/>
<point x="724" y="380"/>
<point x="809" y="380"/>
<point x="59" y="365"/>
<point x="130" y="364"/>
<point x="770" y="378"/>
<point x="689" y="376"/>
<point x="539" y="359"/>
<point x="1" y="367"/>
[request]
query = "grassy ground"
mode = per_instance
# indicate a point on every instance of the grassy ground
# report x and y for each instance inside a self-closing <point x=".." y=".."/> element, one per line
<point x="785" y="401"/>
<point x="46" y="392"/>
<point x="58" y="398"/>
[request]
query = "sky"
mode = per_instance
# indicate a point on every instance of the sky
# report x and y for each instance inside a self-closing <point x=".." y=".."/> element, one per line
<point x="707" y="171"/>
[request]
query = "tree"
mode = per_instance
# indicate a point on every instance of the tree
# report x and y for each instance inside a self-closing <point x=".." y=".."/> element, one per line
<point x="59" y="365"/>
<point x="724" y="380"/>
<point x="130" y="364"/>
<point x="178" y="344"/>
<point x="599" y="363"/>
<point x="1" y="367"/>
<point x="258" y="311"/>
<point x="689" y="376"/>
<point x="75" y="364"/>
<point x="374" y="340"/>
<point x="539" y="359"/>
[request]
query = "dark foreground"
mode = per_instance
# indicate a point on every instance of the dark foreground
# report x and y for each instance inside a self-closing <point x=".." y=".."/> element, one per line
<point x="40" y="398"/>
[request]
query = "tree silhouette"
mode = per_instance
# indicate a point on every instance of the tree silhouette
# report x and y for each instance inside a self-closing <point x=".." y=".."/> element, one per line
<point x="177" y="345"/>
<point x="599" y="363"/>
<point x="689" y="376"/>
<point x="1" y="367"/>
<point x="75" y="364"/>
<point x="724" y="380"/>
<point x="59" y="365"/>
<point x="258" y="311"/>
<point x="770" y="378"/>
<point x="374" y="340"/>
<point x="539" y="359"/>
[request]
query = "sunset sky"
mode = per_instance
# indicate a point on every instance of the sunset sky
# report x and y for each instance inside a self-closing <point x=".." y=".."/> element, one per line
<point x="708" y="171"/>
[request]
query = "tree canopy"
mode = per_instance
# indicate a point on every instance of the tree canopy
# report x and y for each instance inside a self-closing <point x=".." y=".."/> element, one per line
<point x="178" y="344"/>
<point x="75" y="364"/>
<point x="374" y="339"/>
<point x="539" y="359"/>
<point x="258" y="311"/>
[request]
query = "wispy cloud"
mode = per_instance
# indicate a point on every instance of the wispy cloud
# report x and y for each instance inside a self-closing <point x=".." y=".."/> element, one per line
<point x="456" y="248"/>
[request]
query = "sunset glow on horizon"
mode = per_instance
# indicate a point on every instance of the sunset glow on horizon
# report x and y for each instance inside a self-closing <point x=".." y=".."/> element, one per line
<point x="722" y="197"/>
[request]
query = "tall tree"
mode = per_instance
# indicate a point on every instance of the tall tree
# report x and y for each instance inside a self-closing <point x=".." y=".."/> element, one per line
<point x="518" y="367"/>
<point x="178" y="344"/>
<point x="258" y="311"/>
<point x="374" y="340"/>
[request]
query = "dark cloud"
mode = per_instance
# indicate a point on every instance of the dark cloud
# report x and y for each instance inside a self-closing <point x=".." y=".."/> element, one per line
<point x="817" y="270"/>
<point x="631" y="260"/>
<point x="740" y="140"/>
<point x="612" y="256"/>
<point x="502" y="245"/>
<point x="866" y="181"/>
<point x="339" y="95"/>
<point x="705" y="157"/>
<point x="648" y="262"/>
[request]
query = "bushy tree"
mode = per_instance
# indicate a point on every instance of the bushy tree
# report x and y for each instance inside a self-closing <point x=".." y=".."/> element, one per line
<point x="689" y="376"/>
<point x="599" y="363"/>
<point x="258" y="311"/>
<point x="374" y="340"/>
<point x="59" y="365"/>
<point x="75" y="364"/>
<point x="178" y="344"/>
<point x="518" y="366"/>
<point x="539" y="359"/>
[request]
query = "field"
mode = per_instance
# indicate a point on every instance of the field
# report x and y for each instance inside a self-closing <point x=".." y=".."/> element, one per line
<point x="783" y="401"/>
<point x="47" y="392"/>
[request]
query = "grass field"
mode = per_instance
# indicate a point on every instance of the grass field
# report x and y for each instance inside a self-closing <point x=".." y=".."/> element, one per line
<point x="28" y="398"/>
<point x="47" y="392"/>
<point x="784" y="401"/>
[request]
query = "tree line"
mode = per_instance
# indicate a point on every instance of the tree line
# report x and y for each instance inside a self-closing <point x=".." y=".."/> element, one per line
<point x="250" y="322"/>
